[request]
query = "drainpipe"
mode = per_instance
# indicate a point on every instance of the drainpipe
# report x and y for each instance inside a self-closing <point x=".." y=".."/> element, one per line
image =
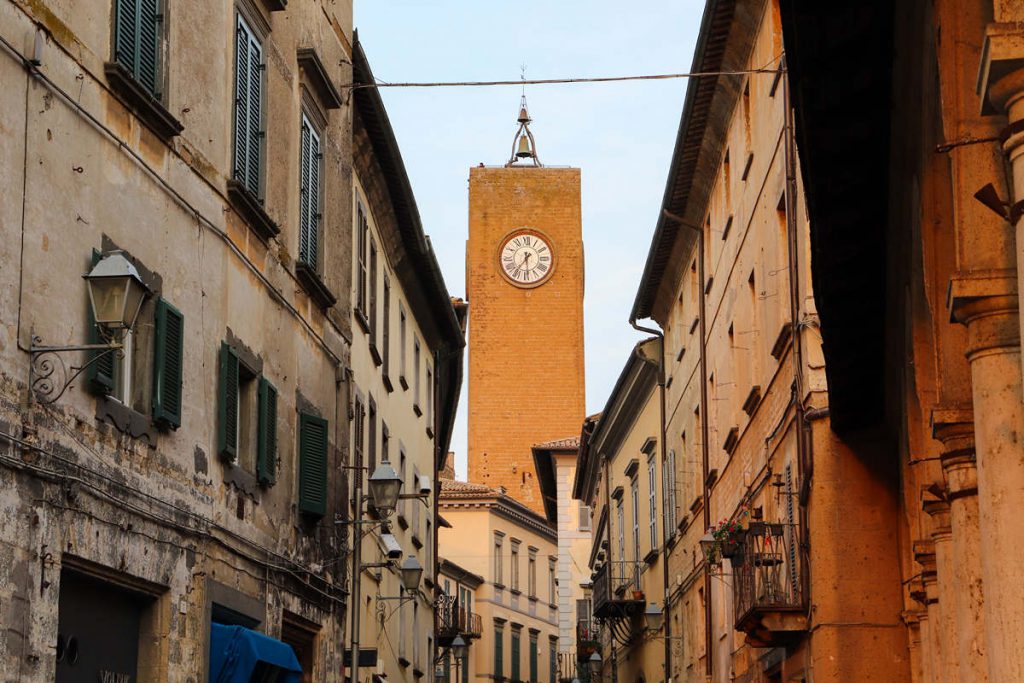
<point x="704" y="452"/>
<point x="666" y="621"/>
<point x="611" y="563"/>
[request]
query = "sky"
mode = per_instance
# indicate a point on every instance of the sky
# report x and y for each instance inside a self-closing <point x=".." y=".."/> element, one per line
<point x="620" y="134"/>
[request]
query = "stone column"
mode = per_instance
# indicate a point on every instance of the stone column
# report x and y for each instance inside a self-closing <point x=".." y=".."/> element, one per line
<point x="955" y="429"/>
<point x="928" y="622"/>
<point x="912" y="618"/>
<point x="942" y="602"/>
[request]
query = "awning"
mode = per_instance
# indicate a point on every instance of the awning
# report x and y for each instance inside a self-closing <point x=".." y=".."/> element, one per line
<point x="236" y="653"/>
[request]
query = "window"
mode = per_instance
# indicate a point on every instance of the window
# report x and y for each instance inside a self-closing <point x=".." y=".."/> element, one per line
<point x="138" y="38"/>
<point x="310" y="173"/>
<point x="371" y="446"/>
<point x="248" y="108"/>
<point x="402" y="343"/>
<point x="533" y="657"/>
<point x="402" y="636"/>
<point x="362" y="235"/>
<point x="373" y="301"/>
<point x="465" y="601"/>
<point x="247" y="416"/>
<point x="584" y="513"/>
<point x="428" y="570"/>
<point x="430" y="401"/>
<point x="669" y="479"/>
<point x="635" y="492"/>
<point x="403" y="505"/>
<point x="416" y="505"/>
<point x="498" y="578"/>
<point x="553" y="659"/>
<point x="313" y="439"/>
<point x="499" y="651"/>
<point x="652" y="501"/>
<point x="621" y="525"/>
<point x="416" y="635"/>
<point x="416" y="376"/>
<point x="386" y="335"/>
<point x="514" y="652"/>
<point x="358" y="427"/>
<point x="515" y="565"/>
<point x="552" y="583"/>
<point x="531" y="573"/>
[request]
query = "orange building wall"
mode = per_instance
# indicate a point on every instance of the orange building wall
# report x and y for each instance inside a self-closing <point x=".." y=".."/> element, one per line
<point x="526" y="377"/>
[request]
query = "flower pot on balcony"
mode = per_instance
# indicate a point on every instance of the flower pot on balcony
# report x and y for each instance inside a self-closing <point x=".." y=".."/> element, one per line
<point x="638" y="595"/>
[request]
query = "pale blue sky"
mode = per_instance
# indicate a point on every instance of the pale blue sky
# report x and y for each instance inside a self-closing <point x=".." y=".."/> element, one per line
<point x="620" y="134"/>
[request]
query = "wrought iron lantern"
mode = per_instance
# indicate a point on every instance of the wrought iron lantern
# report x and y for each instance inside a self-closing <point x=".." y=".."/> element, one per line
<point x="411" y="572"/>
<point x="459" y="647"/>
<point x="653" y="617"/>
<point x="385" y="485"/>
<point x="116" y="292"/>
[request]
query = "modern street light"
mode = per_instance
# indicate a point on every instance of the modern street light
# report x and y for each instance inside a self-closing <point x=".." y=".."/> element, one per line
<point x="385" y="485"/>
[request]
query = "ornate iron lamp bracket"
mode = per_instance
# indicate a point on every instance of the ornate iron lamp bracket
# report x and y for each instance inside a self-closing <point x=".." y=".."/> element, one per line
<point x="49" y="376"/>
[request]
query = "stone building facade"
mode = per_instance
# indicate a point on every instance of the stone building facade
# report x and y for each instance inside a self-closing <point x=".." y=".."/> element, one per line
<point x="918" y="285"/>
<point x="514" y="635"/>
<point x="191" y="481"/>
<point x="406" y="363"/>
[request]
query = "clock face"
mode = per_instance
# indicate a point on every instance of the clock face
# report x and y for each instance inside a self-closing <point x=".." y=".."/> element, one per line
<point x="525" y="258"/>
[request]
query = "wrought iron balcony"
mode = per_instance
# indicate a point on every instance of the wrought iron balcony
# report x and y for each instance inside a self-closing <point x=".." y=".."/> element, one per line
<point x="454" y="620"/>
<point x="617" y="591"/>
<point x="767" y="584"/>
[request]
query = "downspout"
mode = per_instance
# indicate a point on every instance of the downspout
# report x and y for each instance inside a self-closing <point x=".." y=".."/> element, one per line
<point x="666" y="621"/>
<point x="805" y="466"/>
<point x="705" y="455"/>
<point x="611" y="562"/>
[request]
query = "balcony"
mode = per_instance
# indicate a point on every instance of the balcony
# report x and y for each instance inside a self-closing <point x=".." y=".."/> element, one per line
<point x="588" y="638"/>
<point x="767" y="585"/>
<point x="617" y="593"/>
<point x="454" y="620"/>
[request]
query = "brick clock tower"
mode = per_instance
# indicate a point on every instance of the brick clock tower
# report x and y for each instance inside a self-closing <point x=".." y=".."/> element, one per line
<point x="524" y="279"/>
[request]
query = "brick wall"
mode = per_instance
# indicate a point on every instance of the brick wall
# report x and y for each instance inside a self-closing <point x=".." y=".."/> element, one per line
<point x="526" y="381"/>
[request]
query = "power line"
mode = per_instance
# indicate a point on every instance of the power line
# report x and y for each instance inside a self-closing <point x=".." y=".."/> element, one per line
<point x="552" y="81"/>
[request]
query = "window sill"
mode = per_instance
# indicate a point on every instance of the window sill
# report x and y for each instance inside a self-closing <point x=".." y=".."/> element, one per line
<point x="125" y="419"/>
<point x="402" y="522"/>
<point x="416" y="541"/>
<point x="243" y="480"/>
<point x="145" y="106"/>
<point x="416" y="409"/>
<point x="361" y="319"/>
<point x="651" y="556"/>
<point x="417" y="671"/>
<point x="499" y="585"/>
<point x="401" y="380"/>
<point x="430" y="433"/>
<point x="252" y="211"/>
<point x="516" y="591"/>
<point x="387" y="382"/>
<point x="403" y="662"/>
<point x="552" y="605"/>
<point x="533" y="598"/>
<point x="314" y="286"/>
<point x="276" y="5"/>
<point x="375" y="354"/>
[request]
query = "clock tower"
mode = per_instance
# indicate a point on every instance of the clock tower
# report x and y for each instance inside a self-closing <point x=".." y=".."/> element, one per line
<point x="524" y="279"/>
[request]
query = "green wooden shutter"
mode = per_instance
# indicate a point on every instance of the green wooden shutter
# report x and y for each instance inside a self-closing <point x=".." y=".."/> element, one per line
<point x="312" y="464"/>
<point x="167" y="364"/>
<point x="149" y="45"/>
<point x="266" y="434"/>
<point x="515" y="656"/>
<point x="126" y="33"/>
<point x="101" y="369"/>
<point x="227" y="423"/>
<point x="533" y="659"/>
<point x="305" y="197"/>
<point x="241" y="100"/>
<point x="499" y="653"/>
<point x="255" y="111"/>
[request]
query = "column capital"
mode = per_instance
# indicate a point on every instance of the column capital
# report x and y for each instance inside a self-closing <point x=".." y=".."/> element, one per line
<point x="1002" y="56"/>
<point x="986" y="302"/>
<point x="924" y="555"/>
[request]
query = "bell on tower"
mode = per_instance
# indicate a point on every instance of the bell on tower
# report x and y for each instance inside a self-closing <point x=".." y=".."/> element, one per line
<point x="523" y="145"/>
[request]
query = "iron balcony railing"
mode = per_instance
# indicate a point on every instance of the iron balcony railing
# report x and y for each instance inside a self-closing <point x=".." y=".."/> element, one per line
<point x="616" y="582"/>
<point x="766" y="572"/>
<point x="454" y="620"/>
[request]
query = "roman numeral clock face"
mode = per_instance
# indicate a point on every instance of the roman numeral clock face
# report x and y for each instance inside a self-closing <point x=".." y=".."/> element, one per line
<point x="525" y="258"/>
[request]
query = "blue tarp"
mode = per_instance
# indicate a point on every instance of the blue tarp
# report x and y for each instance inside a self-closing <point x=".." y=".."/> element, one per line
<point x="236" y="652"/>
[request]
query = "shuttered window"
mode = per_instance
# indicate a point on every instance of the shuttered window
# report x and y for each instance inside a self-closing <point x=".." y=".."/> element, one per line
<point x="138" y="25"/>
<point x="386" y="332"/>
<point x="312" y="464"/>
<point x="248" y="108"/>
<point x="266" y="434"/>
<point x="227" y="432"/>
<point x="310" y="172"/>
<point x="499" y="651"/>
<point x="533" y="657"/>
<point x="362" y="235"/>
<point x="168" y="353"/>
<point x="514" y="654"/>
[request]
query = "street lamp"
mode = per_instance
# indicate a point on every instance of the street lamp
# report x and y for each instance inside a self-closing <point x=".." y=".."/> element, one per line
<point x="653" y="617"/>
<point x="384" y="487"/>
<point x="411" y="572"/>
<point x="594" y="662"/>
<point x="459" y="648"/>
<point x="707" y="547"/>
<point x="116" y="292"/>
